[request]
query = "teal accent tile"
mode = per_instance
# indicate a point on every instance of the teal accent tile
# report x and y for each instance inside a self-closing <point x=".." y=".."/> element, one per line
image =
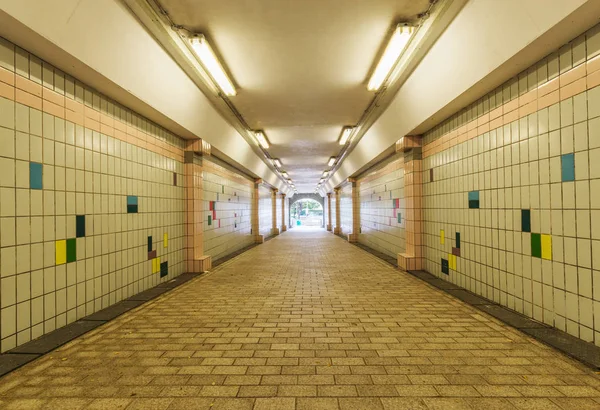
<point x="80" y="226"/>
<point x="567" y="163"/>
<point x="525" y="220"/>
<point x="132" y="200"/>
<point x="35" y="175"/>
<point x="399" y="218"/>
<point x="474" y="196"/>
<point x="536" y="245"/>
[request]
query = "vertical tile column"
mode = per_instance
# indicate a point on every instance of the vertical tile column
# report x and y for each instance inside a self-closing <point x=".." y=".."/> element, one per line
<point x="283" y="226"/>
<point x="353" y="236"/>
<point x="258" y="238"/>
<point x="274" y="228"/>
<point x="338" y="219"/>
<point x="195" y="259"/>
<point x="329" y="227"/>
<point x="413" y="258"/>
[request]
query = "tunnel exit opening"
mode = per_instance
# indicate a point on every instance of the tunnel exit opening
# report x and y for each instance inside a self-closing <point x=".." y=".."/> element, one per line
<point x="307" y="213"/>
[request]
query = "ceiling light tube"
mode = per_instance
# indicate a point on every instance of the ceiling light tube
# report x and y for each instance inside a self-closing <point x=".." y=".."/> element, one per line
<point x="325" y="173"/>
<point x="262" y="140"/>
<point x="331" y="161"/>
<point x="400" y="38"/>
<point x="346" y="131"/>
<point x="284" y="174"/>
<point x="211" y="64"/>
<point x="277" y="162"/>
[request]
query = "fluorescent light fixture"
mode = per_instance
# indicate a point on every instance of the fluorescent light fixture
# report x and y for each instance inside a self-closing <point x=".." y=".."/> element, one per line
<point x="212" y="65"/>
<point x="285" y="174"/>
<point x="394" y="49"/>
<point x="346" y="131"/>
<point x="325" y="173"/>
<point x="290" y="181"/>
<point x="277" y="162"/>
<point x="262" y="140"/>
<point x="331" y="161"/>
<point x="321" y="181"/>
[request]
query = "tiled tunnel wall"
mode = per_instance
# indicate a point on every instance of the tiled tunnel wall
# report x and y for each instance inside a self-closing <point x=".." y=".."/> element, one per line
<point x="227" y="212"/>
<point x="279" y="211"/>
<point x="512" y="192"/>
<point x="91" y="200"/>
<point x="381" y="194"/>
<point x="346" y="209"/>
<point x="265" y="211"/>
<point x="333" y="211"/>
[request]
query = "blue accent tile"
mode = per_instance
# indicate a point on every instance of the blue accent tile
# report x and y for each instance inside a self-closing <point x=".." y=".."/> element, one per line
<point x="567" y="163"/>
<point x="35" y="175"/>
<point x="132" y="200"/>
<point x="474" y="196"/>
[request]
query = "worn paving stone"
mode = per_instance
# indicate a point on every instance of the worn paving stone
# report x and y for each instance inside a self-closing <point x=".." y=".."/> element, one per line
<point x="304" y="321"/>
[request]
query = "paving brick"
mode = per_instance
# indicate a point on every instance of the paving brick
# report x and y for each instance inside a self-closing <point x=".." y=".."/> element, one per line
<point x="277" y="328"/>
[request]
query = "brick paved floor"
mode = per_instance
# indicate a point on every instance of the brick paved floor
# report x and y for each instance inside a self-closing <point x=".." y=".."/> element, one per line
<point x="305" y="321"/>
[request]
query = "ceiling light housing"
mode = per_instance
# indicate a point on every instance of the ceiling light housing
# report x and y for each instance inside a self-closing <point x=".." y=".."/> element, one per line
<point x="284" y="174"/>
<point x="346" y="131"/>
<point x="277" y="162"/>
<point x="331" y="161"/>
<point x="212" y="65"/>
<point x="261" y="139"/>
<point x="325" y="173"/>
<point x="398" y="42"/>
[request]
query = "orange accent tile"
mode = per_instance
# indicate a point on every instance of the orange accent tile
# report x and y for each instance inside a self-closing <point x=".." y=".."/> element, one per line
<point x="485" y="118"/>
<point x="91" y="114"/>
<point x="74" y="106"/>
<point x="593" y="79"/>
<point x="510" y="117"/>
<point x="53" y="97"/>
<point x="548" y="100"/>
<point x="528" y="97"/>
<point x="483" y="129"/>
<point x="74" y="117"/>
<point x="105" y="129"/>
<point x="527" y="109"/>
<point x="7" y="77"/>
<point x="572" y="75"/>
<point x="573" y="88"/>
<point x="548" y="87"/>
<point x="28" y="85"/>
<point x="593" y="65"/>
<point x="51" y="108"/>
<point x="496" y="123"/>
<point x="120" y="126"/>
<point x="91" y="124"/>
<point x="510" y="106"/>
<point x="496" y="113"/>
<point x="7" y="91"/>
<point x="472" y="125"/>
<point x="27" y="99"/>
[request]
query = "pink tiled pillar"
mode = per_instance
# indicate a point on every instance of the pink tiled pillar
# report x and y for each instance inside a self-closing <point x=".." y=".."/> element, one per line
<point x="338" y="219"/>
<point x="283" y="226"/>
<point x="195" y="259"/>
<point x="258" y="238"/>
<point x="329" y="227"/>
<point x="274" y="228"/>
<point x="353" y="236"/>
<point x="413" y="257"/>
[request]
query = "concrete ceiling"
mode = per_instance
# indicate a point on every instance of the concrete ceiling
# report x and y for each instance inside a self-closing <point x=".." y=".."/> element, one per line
<point x="301" y="66"/>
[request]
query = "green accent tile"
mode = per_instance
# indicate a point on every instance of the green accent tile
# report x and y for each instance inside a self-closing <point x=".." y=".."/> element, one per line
<point x="71" y="250"/>
<point x="209" y="220"/>
<point x="536" y="245"/>
<point x="399" y="218"/>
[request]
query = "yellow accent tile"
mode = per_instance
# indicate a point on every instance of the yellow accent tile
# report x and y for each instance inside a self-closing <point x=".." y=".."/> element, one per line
<point x="165" y="240"/>
<point x="452" y="261"/>
<point x="61" y="252"/>
<point x="547" y="247"/>
<point x="442" y="240"/>
<point x="154" y="265"/>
